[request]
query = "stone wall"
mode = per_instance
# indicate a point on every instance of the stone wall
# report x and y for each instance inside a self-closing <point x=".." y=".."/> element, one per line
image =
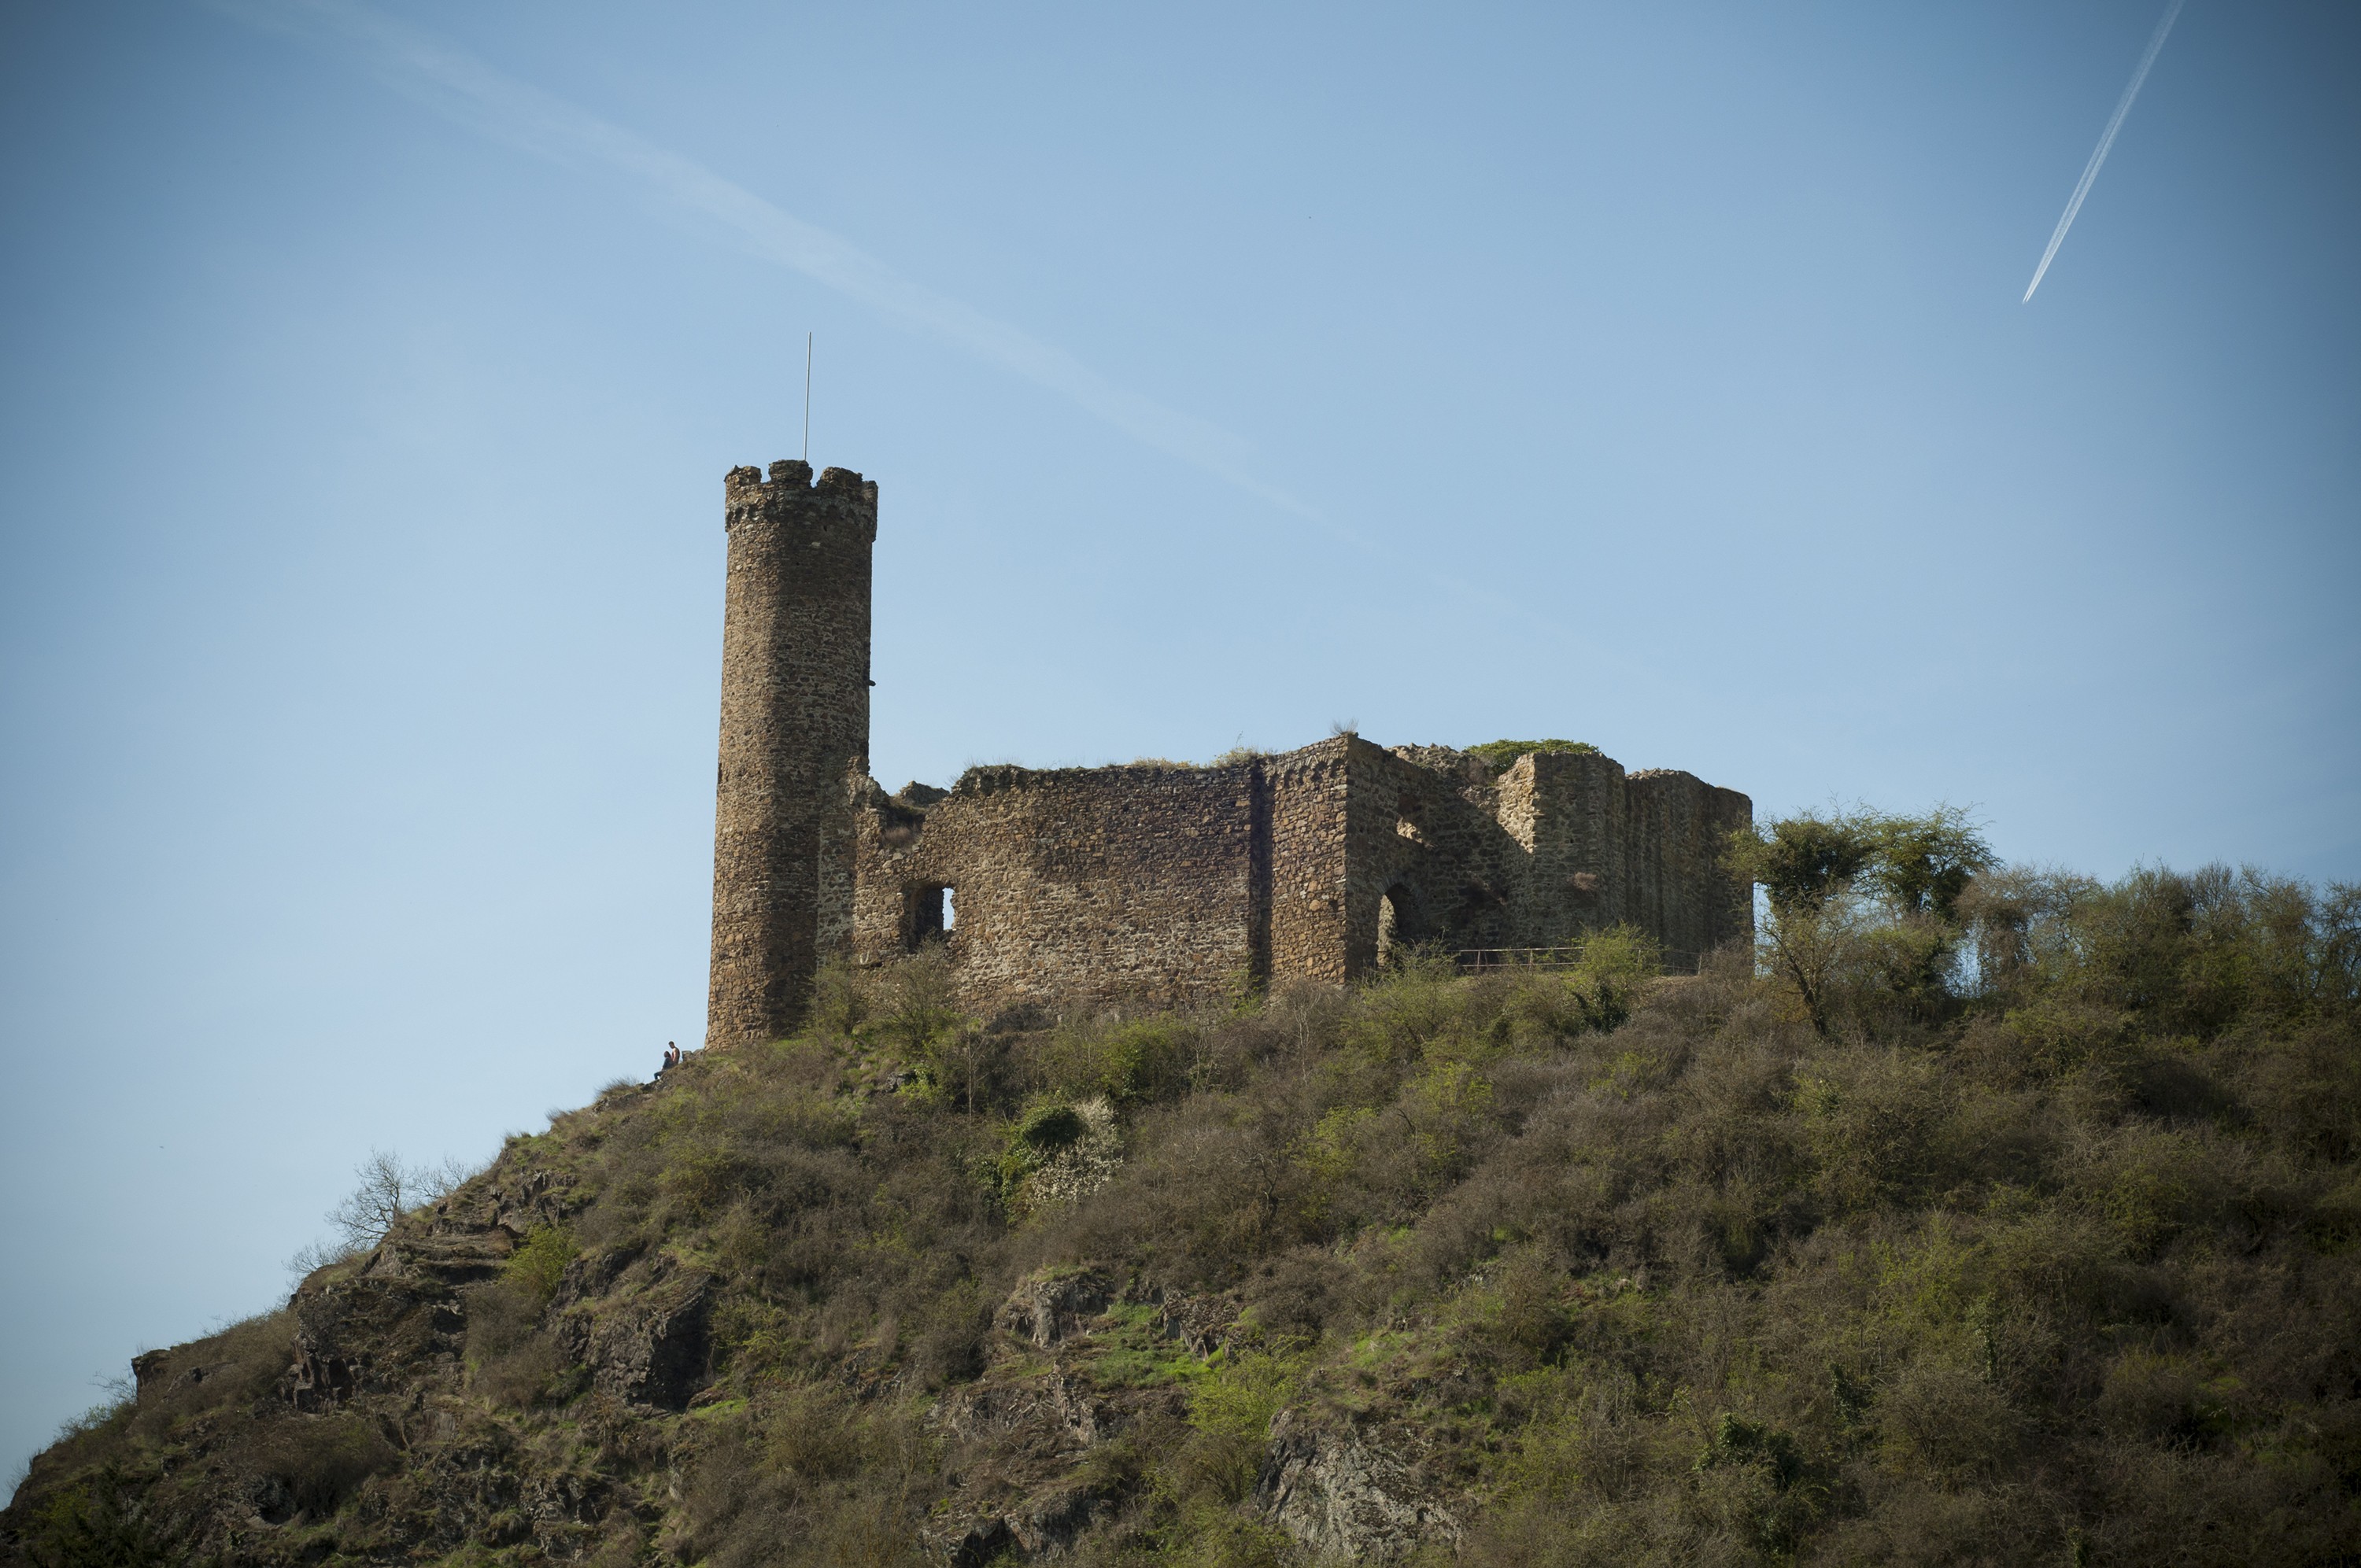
<point x="1427" y="840"/>
<point x="1308" y="832"/>
<point x="1156" y="885"/>
<point x="794" y="724"/>
<point x="1135" y="883"/>
<point x="1678" y="825"/>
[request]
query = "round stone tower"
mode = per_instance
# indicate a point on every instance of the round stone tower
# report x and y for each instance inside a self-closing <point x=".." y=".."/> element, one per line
<point x="795" y="732"/>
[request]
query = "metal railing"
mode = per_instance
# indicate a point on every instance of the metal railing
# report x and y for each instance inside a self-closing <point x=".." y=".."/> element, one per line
<point x="1552" y="960"/>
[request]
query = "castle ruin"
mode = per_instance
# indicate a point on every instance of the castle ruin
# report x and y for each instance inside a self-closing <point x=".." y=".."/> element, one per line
<point x="1150" y="884"/>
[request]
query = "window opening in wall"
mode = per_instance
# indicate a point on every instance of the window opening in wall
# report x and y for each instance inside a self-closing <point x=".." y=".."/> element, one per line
<point x="1407" y="819"/>
<point x="927" y="913"/>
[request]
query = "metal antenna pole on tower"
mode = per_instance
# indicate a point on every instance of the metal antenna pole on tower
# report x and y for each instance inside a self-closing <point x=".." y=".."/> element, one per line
<point x="807" y="346"/>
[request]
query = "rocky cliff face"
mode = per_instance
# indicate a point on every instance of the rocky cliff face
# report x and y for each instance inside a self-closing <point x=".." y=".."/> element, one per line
<point x="351" y="1424"/>
<point x="428" y="1400"/>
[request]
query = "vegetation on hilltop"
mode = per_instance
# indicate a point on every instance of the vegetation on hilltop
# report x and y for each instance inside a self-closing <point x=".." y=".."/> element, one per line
<point x="1984" y="1216"/>
<point x="1500" y="753"/>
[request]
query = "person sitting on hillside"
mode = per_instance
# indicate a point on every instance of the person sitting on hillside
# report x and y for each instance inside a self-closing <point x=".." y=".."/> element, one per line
<point x="671" y="1058"/>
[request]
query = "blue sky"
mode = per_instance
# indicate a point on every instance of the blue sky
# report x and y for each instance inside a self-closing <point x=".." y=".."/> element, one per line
<point x="1648" y="376"/>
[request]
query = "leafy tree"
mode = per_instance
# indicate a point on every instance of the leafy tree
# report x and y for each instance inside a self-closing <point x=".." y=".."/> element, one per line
<point x="1922" y="864"/>
<point x="1864" y="917"/>
<point x="1799" y="861"/>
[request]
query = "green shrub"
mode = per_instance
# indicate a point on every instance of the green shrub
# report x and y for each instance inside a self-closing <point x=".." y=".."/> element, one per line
<point x="322" y="1462"/>
<point x="1050" y="1129"/>
<point x="97" y="1522"/>
<point x="1230" y="1411"/>
<point x="1129" y="1061"/>
<point x="537" y="1265"/>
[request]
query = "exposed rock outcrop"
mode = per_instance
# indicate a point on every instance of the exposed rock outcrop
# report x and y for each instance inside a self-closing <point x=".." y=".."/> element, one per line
<point x="1346" y="1497"/>
<point x="1049" y="1308"/>
<point x="360" y="1335"/>
<point x="653" y="1349"/>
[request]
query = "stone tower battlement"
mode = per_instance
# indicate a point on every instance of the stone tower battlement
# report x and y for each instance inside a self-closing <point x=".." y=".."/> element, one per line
<point x="1148" y="883"/>
<point x="794" y="724"/>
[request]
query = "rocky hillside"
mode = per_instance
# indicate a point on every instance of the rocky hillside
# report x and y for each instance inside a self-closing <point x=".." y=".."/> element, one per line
<point x="2016" y="1224"/>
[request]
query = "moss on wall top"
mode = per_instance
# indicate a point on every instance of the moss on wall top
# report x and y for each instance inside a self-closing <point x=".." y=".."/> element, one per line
<point x="1500" y="753"/>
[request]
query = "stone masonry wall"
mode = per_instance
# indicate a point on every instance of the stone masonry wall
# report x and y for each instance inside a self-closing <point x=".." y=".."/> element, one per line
<point x="1573" y="818"/>
<point x="1308" y="792"/>
<point x="794" y="725"/>
<point x="1096" y="885"/>
<point x="1677" y="889"/>
<point x="1157" y="885"/>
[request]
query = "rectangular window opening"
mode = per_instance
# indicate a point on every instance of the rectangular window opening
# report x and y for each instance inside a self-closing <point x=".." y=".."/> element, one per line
<point x="927" y="912"/>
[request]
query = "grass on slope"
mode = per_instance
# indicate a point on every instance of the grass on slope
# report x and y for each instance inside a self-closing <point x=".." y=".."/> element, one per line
<point x="2028" y="1235"/>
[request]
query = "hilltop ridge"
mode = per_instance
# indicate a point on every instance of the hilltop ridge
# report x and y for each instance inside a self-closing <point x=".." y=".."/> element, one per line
<point x="2047" y="1258"/>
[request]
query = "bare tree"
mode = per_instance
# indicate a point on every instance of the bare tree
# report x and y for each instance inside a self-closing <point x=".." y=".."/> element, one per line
<point x="388" y="1190"/>
<point x="922" y="999"/>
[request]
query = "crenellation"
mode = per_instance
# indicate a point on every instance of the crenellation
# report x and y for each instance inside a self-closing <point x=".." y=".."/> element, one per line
<point x="1139" y="884"/>
<point x="794" y="734"/>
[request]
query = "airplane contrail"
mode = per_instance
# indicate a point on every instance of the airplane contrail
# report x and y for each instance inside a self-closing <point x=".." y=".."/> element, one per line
<point x="464" y="88"/>
<point x="459" y="84"/>
<point x="2106" y="140"/>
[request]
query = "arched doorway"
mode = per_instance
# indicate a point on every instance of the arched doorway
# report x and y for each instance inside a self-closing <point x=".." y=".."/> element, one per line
<point x="1397" y="925"/>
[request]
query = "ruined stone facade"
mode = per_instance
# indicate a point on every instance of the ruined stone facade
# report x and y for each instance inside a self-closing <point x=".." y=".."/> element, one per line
<point x="1148" y="883"/>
